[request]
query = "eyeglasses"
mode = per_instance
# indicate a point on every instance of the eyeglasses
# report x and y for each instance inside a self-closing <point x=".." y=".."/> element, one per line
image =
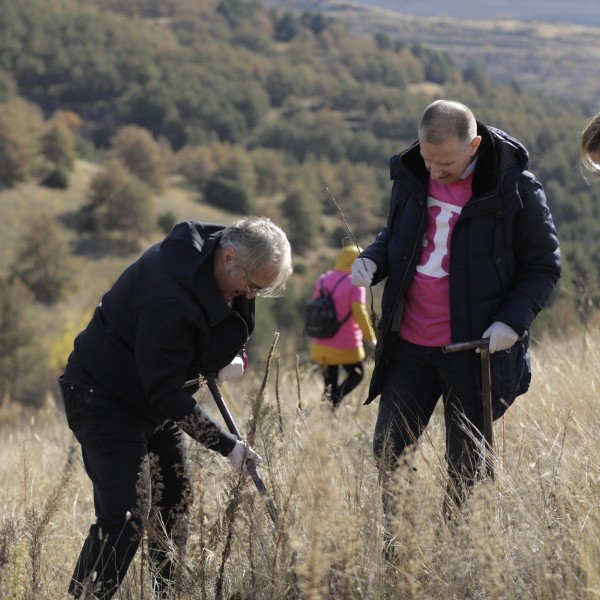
<point x="251" y="289"/>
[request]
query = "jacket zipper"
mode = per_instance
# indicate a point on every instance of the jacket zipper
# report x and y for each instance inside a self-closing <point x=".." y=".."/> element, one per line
<point x="400" y="298"/>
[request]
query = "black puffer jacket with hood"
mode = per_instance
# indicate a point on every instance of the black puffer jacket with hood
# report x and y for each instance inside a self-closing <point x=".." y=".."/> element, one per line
<point x="163" y="323"/>
<point x="504" y="258"/>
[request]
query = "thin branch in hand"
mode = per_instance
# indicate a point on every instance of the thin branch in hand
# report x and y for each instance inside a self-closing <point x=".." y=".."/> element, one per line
<point x="373" y="317"/>
<point x="277" y="399"/>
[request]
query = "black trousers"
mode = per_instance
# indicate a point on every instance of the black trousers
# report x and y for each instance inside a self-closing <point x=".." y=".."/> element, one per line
<point x="140" y="477"/>
<point x="352" y="375"/>
<point x="416" y="378"/>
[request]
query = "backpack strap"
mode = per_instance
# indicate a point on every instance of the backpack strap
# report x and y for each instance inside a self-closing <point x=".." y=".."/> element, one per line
<point x="333" y="290"/>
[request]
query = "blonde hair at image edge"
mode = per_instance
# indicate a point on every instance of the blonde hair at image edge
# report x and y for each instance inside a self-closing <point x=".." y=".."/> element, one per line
<point x="590" y="146"/>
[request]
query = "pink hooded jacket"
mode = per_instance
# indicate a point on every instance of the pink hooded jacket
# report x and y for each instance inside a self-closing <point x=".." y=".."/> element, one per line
<point x="346" y="346"/>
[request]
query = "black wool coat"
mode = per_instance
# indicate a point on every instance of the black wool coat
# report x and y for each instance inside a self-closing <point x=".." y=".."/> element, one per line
<point x="163" y="323"/>
<point x="504" y="257"/>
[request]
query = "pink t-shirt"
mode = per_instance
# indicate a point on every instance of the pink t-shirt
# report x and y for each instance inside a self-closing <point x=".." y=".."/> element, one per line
<point x="426" y="318"/>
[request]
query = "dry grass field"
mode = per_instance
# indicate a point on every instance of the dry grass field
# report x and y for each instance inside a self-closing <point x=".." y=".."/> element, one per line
<point x="532" y="533"/>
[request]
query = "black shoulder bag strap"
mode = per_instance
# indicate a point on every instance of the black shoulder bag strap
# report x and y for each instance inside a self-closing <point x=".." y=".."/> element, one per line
<point x="333" y="290"/>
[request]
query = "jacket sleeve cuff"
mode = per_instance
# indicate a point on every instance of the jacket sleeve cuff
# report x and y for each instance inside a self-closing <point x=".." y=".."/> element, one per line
<point x="204" y="429"/>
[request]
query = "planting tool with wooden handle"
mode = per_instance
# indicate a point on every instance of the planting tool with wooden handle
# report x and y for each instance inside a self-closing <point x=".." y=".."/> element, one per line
<point x="250" y="466"/>
<point x="483" y="345"/>
<point x="486" y="393"/>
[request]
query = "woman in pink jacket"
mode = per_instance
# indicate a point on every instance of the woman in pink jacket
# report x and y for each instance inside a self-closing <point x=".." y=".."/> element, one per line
<point x="345" y="349"/>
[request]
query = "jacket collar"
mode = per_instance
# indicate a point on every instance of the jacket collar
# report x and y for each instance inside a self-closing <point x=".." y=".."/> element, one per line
<point x="500" y="161"/>
<point x="216" y="309"/>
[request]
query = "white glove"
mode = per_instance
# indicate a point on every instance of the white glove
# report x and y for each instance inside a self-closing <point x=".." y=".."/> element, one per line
<point x="234" y="370"/>
<point x="241" y="454"/>
<point x="363" y="270"/>
<point x="501" y="336"/>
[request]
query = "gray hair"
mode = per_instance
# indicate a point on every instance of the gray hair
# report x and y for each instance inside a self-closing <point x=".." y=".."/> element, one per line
<point x="445" y="119"/>
<point x="258" y="242"/>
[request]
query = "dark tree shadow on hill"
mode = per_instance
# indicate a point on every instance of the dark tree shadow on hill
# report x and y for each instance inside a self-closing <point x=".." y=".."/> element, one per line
<point x="97" y="244"/>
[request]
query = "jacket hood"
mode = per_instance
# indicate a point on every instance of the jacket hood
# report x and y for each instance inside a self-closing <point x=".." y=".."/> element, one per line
<point x="499" y="155"/>
<point x="187" y="248"/>
<point x="346" y="257"/>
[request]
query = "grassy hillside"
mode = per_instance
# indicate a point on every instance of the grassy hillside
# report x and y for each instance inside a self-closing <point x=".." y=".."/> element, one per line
<point x="533" y="533"/>
<point x="94" y="271"/>
<point x="53" y="327"/>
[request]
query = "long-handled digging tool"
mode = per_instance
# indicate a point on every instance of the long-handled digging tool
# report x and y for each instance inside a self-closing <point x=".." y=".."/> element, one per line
<point x="486" y="394"/>
<point x="250" y="466"/>
<point x="483" y="345"/>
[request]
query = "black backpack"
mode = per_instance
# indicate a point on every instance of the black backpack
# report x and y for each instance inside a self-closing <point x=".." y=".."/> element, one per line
<point x="320" y="320"/>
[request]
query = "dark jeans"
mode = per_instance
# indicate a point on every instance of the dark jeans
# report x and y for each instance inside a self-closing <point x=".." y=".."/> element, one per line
<point x="352" y="375"/>
<point x="416" y="378"/>
<point x="122" y="454"/>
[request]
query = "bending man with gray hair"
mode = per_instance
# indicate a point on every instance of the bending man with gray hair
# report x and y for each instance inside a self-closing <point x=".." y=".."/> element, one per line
<point x="185" y="308"/>
<point x="469" y="251"/>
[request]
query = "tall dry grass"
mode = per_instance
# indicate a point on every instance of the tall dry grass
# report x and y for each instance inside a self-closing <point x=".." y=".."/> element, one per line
<point x="533" y="533"/>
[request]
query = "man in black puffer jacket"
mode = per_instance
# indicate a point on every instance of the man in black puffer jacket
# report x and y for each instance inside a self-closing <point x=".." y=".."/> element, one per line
<point x="185" y="308"/>
<point x="469" y="251"/>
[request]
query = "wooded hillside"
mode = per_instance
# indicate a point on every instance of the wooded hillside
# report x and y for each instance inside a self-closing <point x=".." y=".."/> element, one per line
<point x="119" y="117"/>
<point x="549" y="47"/>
